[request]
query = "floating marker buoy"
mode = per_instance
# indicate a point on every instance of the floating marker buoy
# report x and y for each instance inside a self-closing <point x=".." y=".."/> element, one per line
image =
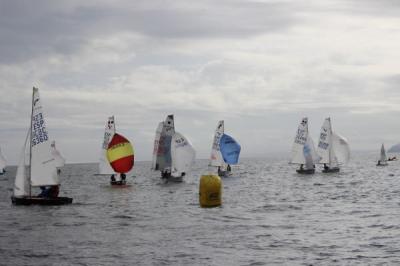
<point x="210" y="192"/>
<point x="120" y="154"/>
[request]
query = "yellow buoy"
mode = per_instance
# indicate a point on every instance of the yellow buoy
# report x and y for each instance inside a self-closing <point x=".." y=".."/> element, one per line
<point x="210" y="192"/>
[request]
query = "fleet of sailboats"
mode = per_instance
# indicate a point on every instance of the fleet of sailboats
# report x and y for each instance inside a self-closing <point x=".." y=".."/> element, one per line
<point x="173" y="155"/>
<point x="37" y="166"/>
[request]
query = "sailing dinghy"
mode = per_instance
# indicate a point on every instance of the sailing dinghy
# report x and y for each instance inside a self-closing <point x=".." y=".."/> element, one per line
<point x="121" y="157"/>
<point x="104" y="166"/>
<point x="333" y="149"/>
<point x="37" y="167"/>
<point x="175" y="154"/>
<point x="224" y="151"/>
<point x="3" y="163"/>
<point x="303" y="150"/>
<point x="383" y="158"/>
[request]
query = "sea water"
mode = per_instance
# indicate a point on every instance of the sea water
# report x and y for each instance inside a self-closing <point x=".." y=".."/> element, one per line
<point x="270" y="216"/>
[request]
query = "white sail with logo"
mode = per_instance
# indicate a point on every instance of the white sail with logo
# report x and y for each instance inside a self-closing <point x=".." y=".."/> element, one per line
<point x="59" y="160"/>
<point x="182" y="155"/>
<point x="155" y="163"/>
<point x="216" y="156"/>
<point x="303" y="150"/>
<point x="43" y="168"/>
<point x="164" y="147"/>
<point x="3" y="163"/>
<point x="332" y="148"/>
<point x="104" y="165"/>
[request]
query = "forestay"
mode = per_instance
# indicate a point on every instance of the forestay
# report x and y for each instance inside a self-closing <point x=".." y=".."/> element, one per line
<point x="43" y="170"/>
<point x="104" y="166"/>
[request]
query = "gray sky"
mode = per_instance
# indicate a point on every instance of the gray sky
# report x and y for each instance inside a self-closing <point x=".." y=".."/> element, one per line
<point x="259" y="65"/>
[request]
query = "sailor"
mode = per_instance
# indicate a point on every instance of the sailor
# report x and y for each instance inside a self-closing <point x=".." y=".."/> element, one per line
<point x="44" y="192"/>
<point x="228" y="168"/>
<point x="326" y="167"/>
<point x="112" y="178"/>
<point x="379" y="162"/>
<point x="123" y="178"/>
<point x="301" y="167"/>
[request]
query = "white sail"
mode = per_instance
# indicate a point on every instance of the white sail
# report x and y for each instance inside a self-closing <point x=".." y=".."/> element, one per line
<point x="154" y="163"/>
<point x="297" y="156"/>
<point x="43" y="170"/>
<point x="309" y="153"/>
<point x="341" y="148"/>
<point x="3" y="163"/>
<point x="326" y="147"/>
<point x="21" y="185"/>
<point x="383" y="157"/>
<point x="104" y="166"/>
<point x="216" y="156"/>
<point x="182" y="154"/>
<point x="164" y="148"/>
<point x="59" y="160"/>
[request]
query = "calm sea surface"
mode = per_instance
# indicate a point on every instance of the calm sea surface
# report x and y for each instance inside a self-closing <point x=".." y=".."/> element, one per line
<point x="270" y="216"/>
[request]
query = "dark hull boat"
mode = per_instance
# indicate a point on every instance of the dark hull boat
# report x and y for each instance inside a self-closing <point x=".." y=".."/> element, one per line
<point x="26" y="200"/>
<point x="305" y="171"/>
<point x="331" y="170"/>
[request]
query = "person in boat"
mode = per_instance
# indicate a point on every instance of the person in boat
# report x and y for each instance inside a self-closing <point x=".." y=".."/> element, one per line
<point x="123" y="178"/>
<point x="112" y="178"/>
<point x="49" y="192"/>
<point x="326" y="167"/>
<point x="301" y="167"/>
<point x="228" y="168"/>
<point x="166" y="173"/>
<point x="379" y="162"/>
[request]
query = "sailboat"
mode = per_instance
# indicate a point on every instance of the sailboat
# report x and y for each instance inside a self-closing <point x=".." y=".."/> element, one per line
<point x="383" y="158"/>
<point x="3" y="163"/>
<point x="154" y="164"/>
<point x="303" y="150"/>
<point x="104" y="166"/>
<point x="224" y="151"/>
<point x="333" y="149"/>
<point x="121" y="157"/>
<point x="175" y="153"/>
<point x="37" y="166"/>
<point x="59" y="160"/>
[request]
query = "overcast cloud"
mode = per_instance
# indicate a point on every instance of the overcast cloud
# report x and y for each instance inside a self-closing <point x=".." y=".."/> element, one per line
<point x="259" y="65"/>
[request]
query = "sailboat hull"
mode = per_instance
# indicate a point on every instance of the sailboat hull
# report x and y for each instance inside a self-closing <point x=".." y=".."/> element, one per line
<point x="331" y="170"/>
<point x="305" y="171"/>
<point x="40" y="201"/>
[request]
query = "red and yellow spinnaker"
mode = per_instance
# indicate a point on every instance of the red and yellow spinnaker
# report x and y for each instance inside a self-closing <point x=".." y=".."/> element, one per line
<point x="120" y="154"/>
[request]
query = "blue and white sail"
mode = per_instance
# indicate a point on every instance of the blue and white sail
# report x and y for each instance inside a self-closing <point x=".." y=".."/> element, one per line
<point x="303" y="150"/>
<point x="230" y="149"/>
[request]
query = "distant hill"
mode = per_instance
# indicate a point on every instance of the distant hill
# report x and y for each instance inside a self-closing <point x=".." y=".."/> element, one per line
<point x="395" y="148"/>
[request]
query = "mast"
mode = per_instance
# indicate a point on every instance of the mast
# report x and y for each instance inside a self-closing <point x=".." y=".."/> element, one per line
<point x="30" y="147"/>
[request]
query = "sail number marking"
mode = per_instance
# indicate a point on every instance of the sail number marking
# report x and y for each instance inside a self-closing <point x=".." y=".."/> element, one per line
<point x="39" y="133"/>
